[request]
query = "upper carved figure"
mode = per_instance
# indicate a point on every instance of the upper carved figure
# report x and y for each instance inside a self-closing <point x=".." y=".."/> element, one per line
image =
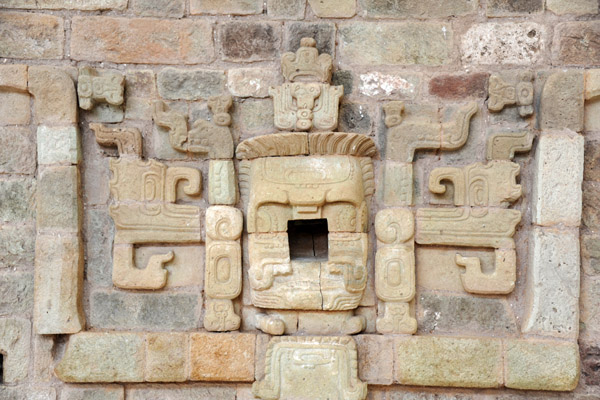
<point x="307" y="64"/>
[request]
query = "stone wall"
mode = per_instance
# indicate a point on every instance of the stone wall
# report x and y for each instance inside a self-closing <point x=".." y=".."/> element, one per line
<point x="84" y="333"/>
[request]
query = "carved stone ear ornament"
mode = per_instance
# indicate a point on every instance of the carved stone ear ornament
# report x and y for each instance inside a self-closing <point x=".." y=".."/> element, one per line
<point x="95" y="87"/>
<point x="502" y="93"/>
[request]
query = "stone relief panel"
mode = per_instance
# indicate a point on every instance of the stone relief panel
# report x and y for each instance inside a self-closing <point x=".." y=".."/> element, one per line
<point x="94" y="87"/>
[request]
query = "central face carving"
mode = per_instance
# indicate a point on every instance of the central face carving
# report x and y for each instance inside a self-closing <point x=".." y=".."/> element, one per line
<point x="285" y="189"/>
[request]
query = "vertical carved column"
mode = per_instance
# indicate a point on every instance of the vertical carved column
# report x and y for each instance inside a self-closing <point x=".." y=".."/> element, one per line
<point x="395" y="270"/>
<point x="223" y="267"/>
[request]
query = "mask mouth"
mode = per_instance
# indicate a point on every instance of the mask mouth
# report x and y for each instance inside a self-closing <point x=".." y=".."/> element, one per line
<point x="308" y="239"/>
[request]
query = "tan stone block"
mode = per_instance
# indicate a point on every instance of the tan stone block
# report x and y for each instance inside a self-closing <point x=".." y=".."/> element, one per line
<point x="578" y="7"/>
<point x="55" y="97"/>
<point x="437" y="269"/>
<point x="57" y="145"/>
<point x="222" y="357"/>
<point x="29" y="35"/>
<point x="541" y="365"/>
<point x="328" y="323"/>
<point x="14" y="108"/>
<point x="68" y="5"/>
<point x="251" y="82"/>
<point x="103" y="357"/>
<point x="17" y="150"/>
<point x="222" y="184"/>
<point x="562" y="101"/>
<point x="58" y="202"/>
<point x="92" y="393"/>
<point x="448" y="361"/>
<point x="184" y="270"/>
<point x="233" y="7"/>
<point x="141" y="40"/>
<point x="375" y="359"/>
<point x="286" y="9"/>
<point x="96" y="86"/>
<point x="15" y="335"/>
<point x="504" y="145"/>
<point x="167" y="357"/>
<point x="58" y="284"/>
<point x="14" y="77"/>
<point x="333" y="8"/>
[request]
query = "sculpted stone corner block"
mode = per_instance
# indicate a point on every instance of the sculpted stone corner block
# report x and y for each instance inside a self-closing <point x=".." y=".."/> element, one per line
<point x="405" y="137"/>
<point x="395" y="270"/>
<point x="553" y="283"/>
<point x="223" y="267"/>
<point x="57" y="145"/>
<point x="15" y="335"/>
<point x="307" y="361"/>
<point x="54" y="93"/>
<point x="518" y="91"/>
<point x="128" y="140"/>
<point x="504" y="145"/>
<point x="562" y="102"/>
<point x="308" y="100"/>
<point x="212" y="139"/>
<point x="479" y="185"/>
<point x="94" y="86"/>
<point x="13" y="77"/>
<point x="144" y="209"/>
<point x="557" y="195"/>
<point x="222" y="184"/>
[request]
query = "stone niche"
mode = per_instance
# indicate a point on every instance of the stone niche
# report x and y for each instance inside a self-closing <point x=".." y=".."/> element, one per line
<point x="327" y="256"/>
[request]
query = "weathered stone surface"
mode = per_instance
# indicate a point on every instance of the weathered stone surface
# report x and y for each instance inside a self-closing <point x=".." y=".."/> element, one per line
<point x="590" y="363"/>
<point x="322" y="32"/>
<point x="577" y="43"/>
<point x="286" y="9"/>
<point x="561" y="104"/>
<point x="17" y="200"/>
<point x="141" y="40"/>
<point x="504" y="145"/>
<point x="328" y="323"/>
<point x="590" y="253"/>
<point x="562" y="7"/>
<point x="68" y="5"/>
<point x="56" y="145"/>
<point x="25" y="35"/>
<point x="251" y="82"/>
<point x="58" y="284"/>
<point x="507" y="8"/>
<point x="144" y="311"/>
<point x="222" y="357"/>
<point x="380" y="85"/>
<point x="222" y="184"/>
<point x="455" y="314"/>
<point x="590" y="308"/>
<point x="375" y="359"/>
<point x="105" y="113"/>
<point x="183" y="270"/>
<point x="16" y="293"/>
<point x="98" y="231"/>
<point x="421" y="9"/>
<point x="553" y="283"/>
<point x="103" y="357"/>
<point x="13" y="77"/>
<point x="231" y="7"/>
<point x="14" y="108"/>
<point x="263" y="46"/>
<point x="400" y="43"/>
<point x="354" y="117"/>
<point x="459" y="86"/>
<point x="26" y="393"/>
<point x="185" y="84"/>
<point x="159" y="8"/>
<point x="182" y="393"/>
<point x="494" y="43"/>
<point x="17" y="150"/>
<point x="557" y="195"/>
<point x="15" y="335"/>
<point x="333" y="8"/>
<point x="446" y="361"/>
<point x="55" y="97"/>
<point x="541" y="365"/>
<point x="343" y="78"/>
<point x="95" y="393"/>
<point x="254" y="116"/>
<point x="58" y="203"/>
<point x="396" y="184"/>
<point x="17" y="246"/>
<point x="591" y="213"/>
<point x="166" y="357"/>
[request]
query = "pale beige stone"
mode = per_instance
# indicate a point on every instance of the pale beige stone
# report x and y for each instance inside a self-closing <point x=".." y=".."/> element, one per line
<point x="126" y="275"/>
<point x="448" y="361"/>
<point x="103" y="357"/>
<point x="561" y="7"/>
<point x="233" y="7"/>
<point x="396" y="317"/>
<point x="501" y="281"/>
<point x="220" y="316"/>
<point x="277" y="144"/>
<point x="562" y="101"/>
<point x="313" y="358"/>
<point x="519" y="92"/>
<point x="333" y="8"/>
<point x="396" y="184"/>
<point x="330" y="323"/>
<point x="54" y="93"/>
<point x="541" y="365"/>
<point x="97" y="86"/>
<point x="95" y="392"/>
<point x="43" y="359"/>
<point x="307" y="63"/>
<point x="210" y="138"/>
<point x="222" y="184"/>
<point x="58" y="284"/>
<point x="375" y="359"/>
<point x="437" y="270"/>
<point x="479" y="185"/>
<point x="341" y="143"/>
<point x="127" y="140"/>
<point x="592" y="83"/>
<point x="404" y="138"/>
<point x="15" y="334"/>
<point x="504" y="145"/>
<point x="13" y="77"/>
<point x="251" y="82"/>
<point x="57" y="145"/>
<point x="14" y="108"/>
<point x="183" y="270"/>
<point x="222" y="357"/>
<point x="58" y="202"/>
<point x="166" y="357"/>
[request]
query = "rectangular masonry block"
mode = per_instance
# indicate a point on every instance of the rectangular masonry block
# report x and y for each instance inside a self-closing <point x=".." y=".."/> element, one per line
<point x="562" y="101"/>
<point x="103" y="357"/>
<point x="167" y="357"/>
<point x="185" y="84"/>
<point x="182" y="393"/>
<point x="67" y="5"/>
<point x="17" y="200"/>
<point x="553" y="283"/>
<point x="222" y="357"/>
<point x="58" y="284"/>
<point x="418" y="9"/>
<point x="398" y="43"/>
<point x="58" y="202"/>
<point x="541" y="365"/>
<point x="229" y="7"/>
<point x="222" y="185"/>
<point x="15" y="334"/>
<point x="557" y="196"/>
<point x="14" y="108"/>
<point x="17" y="149"/>
<point x="57" y="145"/>
<point x="397" y="184"/>
<point x="141" y="40"/>
<point x="32" y="36"/>
<point x="375" y="359"/>
<point x="448" y="361"/>
<point x="13" y="76"/>
<point x="92" y="393"/>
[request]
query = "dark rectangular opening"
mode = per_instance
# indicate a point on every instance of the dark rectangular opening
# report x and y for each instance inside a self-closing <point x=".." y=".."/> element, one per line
<point x="1" y="368"/>
<point x="308" y="239"/>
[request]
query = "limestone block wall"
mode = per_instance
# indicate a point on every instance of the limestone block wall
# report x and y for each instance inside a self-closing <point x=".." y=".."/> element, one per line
<point x="527" y="72"/>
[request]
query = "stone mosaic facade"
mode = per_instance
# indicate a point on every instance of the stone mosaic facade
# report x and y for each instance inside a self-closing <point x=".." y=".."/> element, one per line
<point x="288" y="199"/>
